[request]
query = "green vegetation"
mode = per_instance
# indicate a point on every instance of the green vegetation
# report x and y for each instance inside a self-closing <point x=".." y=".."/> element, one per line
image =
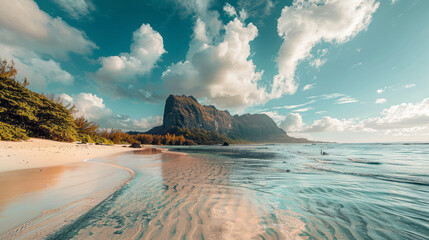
<point x="87" y="132"/>
<point x="119" y="137"/>
<point x="11" y="133"/>
<point x="203" y="137"/>
<point x="33" y="112"/>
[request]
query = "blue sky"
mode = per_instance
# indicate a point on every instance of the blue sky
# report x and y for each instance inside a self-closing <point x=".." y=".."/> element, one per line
<point x="347" y="71"/>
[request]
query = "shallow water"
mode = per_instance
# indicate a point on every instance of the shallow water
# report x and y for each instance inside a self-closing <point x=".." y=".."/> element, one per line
<point x="358" y="191"/>
<point x="35" y="202"/>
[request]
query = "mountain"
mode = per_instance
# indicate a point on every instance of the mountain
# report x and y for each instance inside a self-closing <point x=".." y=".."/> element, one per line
<point x="186" y="113"/>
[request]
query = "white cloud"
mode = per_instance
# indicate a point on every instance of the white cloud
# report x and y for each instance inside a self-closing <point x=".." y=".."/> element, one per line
<point x="329" y="124"/>
<point x="292" y="123"/>
<point x="243" y="15"/>
<point x="303" y="109"/>
<point x="307" y="23"/>
<point x="346" y="99"/>
<point x="406" y="119"/>
<point x="380" y="100"/>
<point x="219" y="66"/>
<point x="147" y="123"/>
<point x="317" y="62"/>
<point x="221" y="72"/>
<point x="405" y="115"/>
<point x="28" y="33"/>
<point x="295" y="106"/>
<point x="327" y="96"/>
<point x="321" y="112"/>
<point x="381" y="90"/>
<point x="308" y="86"/>
<point x="230" y="10"/>
<point x="410" y="85"/>
<point x="76" y="8"/>
<point x="145" y="51"/>
<point x="35" y="30"/>
<point x="39" y="72"/>
<point x="93" y="108"/>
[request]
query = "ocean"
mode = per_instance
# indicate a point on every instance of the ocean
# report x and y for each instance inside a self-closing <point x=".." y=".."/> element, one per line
<point x="271" y="191"/>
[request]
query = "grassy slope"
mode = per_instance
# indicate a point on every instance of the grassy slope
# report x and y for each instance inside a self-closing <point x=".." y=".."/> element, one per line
<point x="33" y="113"/>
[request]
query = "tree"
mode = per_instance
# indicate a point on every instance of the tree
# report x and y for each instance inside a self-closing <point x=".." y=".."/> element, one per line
<point x="85" y="126"/>
<point x="156" y="140"/>
<point x="7" y="70"/>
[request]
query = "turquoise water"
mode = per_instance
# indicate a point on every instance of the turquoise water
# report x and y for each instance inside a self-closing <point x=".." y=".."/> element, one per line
<point x="358" y="191"/>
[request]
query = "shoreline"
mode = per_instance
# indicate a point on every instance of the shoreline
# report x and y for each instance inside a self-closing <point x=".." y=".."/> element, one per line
<point x="43" y="170"/>
<point x="40" y="153"/>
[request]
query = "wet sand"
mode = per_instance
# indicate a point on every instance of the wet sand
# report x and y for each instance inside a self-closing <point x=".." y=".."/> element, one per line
<point x="37" y="202"/>
<point x="176" y="196"/>
<point x="168" y="196"/>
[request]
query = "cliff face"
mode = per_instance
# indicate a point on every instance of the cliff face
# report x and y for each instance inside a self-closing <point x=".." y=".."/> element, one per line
<point x="187" y="112"/>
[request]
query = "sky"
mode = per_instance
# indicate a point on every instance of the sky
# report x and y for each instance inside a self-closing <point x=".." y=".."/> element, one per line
<point x="329" y="70"/>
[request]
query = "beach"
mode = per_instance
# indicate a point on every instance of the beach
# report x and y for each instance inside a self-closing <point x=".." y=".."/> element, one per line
<point x="36" y="153"/>
<point x="46" y="185"/>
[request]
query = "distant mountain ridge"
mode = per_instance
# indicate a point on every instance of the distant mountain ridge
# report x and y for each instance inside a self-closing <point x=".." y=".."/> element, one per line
<point x="185" y="112"/>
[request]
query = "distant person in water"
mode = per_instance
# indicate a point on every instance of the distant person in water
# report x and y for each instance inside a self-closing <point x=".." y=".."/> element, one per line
<point x="322" y="152"/>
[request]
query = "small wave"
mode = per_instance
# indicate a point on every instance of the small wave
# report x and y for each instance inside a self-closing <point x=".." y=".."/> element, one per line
<point x="415" y="181"/>
<point x="364" y="161"/>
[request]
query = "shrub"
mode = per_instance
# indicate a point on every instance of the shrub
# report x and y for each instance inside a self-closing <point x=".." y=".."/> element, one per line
<point x="12" y="133"/>
<point x="35" y="113"/>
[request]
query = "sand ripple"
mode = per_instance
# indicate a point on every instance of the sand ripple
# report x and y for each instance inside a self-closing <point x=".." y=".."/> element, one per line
<point x="181" y="197"/>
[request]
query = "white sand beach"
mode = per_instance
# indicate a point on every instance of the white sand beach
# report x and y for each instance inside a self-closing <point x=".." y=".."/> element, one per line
<point x="37" y="153"/>
<point x="46" y="184"/>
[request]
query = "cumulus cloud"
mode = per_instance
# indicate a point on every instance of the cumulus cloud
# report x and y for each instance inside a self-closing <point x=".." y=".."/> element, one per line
<point x="28" y="33"/>
<point x="145" y="51"/>
<point x="76" y="8"/>
<point x="380" y="100"/>
<point x="221" y="72"/>
<point x="381" y="90"/>
<point x="329" y="124"/>
<point x="292" y="123"/>
<point x="40" y="72"/>
<point x="410" y="85"/>
<point x="35" y="30"/>
<point x="93" y="108"/>
<point x="405" y="115"/>
<point x="307" y="23"/>
<point x="120" y="75"/>
<point x="218" y="65"/>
